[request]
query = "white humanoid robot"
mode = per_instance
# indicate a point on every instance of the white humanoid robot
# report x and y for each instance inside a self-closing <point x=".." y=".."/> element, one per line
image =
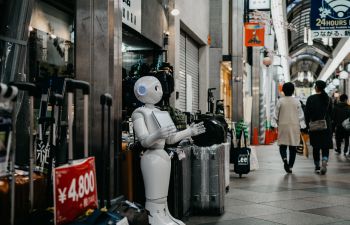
<point x="156" y="163"/>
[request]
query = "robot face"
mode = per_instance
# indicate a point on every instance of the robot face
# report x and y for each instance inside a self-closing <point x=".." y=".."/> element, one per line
<point x="148" y="90"/>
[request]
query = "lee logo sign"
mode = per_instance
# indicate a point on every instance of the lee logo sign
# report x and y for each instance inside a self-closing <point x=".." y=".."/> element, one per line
<point x="243" y="159"/>
<point x="74" y="190"/>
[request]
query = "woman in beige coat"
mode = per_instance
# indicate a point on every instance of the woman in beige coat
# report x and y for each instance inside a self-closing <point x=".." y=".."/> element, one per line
<point x="289" y="118"/>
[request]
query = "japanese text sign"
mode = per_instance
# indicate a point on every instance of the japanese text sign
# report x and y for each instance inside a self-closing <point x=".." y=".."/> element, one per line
<point x="330" y="18"/>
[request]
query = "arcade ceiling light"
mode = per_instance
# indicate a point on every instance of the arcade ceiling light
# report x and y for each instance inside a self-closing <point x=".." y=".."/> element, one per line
<point x="175" y="12"/>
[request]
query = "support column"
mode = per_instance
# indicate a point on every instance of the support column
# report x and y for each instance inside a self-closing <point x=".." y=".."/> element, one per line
<point x="237" y="58"/>
<point x="256" y="71"/>
<point x="98" y="61"/>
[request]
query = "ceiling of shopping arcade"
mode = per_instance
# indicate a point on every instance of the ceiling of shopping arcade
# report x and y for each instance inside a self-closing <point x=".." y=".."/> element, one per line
<point x="310" y="58"/>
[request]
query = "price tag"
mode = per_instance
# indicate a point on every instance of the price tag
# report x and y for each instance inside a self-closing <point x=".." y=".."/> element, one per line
<point x="75" y="190"/>
<point x="123" y="222"/>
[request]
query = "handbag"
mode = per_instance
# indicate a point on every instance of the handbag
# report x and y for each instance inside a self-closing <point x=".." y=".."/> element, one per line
<point x="319" y="125"/>
<point x="254" y="162"/>
<point x="302" y="149"/>
<point x="346" y="124"/>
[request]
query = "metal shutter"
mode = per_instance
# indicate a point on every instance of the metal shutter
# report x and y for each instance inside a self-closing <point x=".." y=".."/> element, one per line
<point x="192" y="69"/>
<point x="182" y="74"/>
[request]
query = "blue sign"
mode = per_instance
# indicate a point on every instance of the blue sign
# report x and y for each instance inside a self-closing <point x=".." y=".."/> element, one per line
<point x="330" y="18"/>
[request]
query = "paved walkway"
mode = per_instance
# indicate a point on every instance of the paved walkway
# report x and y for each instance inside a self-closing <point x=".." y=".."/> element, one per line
<point x="270" y="196"/>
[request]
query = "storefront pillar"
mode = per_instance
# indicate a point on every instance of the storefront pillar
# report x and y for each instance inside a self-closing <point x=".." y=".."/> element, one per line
<point x="237" y="59"/>
<point x="98" y="61"/>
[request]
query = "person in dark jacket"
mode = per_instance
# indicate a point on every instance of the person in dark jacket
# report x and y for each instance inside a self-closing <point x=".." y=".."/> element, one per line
<point x="340" y="113"/>
<point x="319" y="107"/>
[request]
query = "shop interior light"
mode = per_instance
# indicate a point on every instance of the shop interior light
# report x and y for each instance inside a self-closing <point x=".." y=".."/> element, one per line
<point x="175" y="12"/>
<point x="343" y="75"/>
<point x="305" y="35"/>
<point x="336" y="82"/>
<point x="330" y="42"/>
<point x="301" y="76"/>
<point x="310" y="41"/>
<point x="339" y="53"/>
<point x="310" y="78"/>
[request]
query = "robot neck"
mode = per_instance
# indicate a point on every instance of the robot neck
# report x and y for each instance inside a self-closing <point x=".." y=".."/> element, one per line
<point x="150" y="106"/>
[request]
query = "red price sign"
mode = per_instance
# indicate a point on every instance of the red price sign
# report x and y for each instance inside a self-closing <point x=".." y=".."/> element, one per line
<point x="74" y="190"/>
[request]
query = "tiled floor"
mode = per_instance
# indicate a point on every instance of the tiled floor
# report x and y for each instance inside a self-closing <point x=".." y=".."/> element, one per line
<point x="269" y="196"/>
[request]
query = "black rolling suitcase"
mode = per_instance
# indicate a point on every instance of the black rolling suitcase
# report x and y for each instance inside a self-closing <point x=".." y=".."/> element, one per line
<point x="179" y="195"/>
<point x="208" y="180"/>
<point x="241" y="157"/>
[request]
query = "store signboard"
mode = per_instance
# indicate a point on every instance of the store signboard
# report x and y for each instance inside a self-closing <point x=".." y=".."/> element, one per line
<point x="330" y="18"/>
<point x="254" y="35"/>
<point x="259" y="4"/>
<point x="132" y="14"/>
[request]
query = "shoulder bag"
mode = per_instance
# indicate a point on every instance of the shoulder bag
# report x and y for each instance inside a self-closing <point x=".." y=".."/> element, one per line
<point x="319" y="125"/>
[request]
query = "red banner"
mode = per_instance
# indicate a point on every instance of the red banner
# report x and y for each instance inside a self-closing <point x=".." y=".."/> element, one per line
<point x="254" y="35"/>
<point x="75" y="190"/>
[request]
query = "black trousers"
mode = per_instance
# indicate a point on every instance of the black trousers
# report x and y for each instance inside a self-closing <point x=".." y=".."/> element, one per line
<point x="340" y="135"/>
<point x="317" y="155"/>
<point x="292" y="154"/>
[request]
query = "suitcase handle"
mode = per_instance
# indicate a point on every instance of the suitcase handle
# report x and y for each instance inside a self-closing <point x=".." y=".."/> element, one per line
<point x="30" y="88"/>
<point x="56" y="99"/>
<point x="106" y="99"/>
<point x="72" y="85"/>
<point x="8" y="92"/>
<point x="32" y="91"/>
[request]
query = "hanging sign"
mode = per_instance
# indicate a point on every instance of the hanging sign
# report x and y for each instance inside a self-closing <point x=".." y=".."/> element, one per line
<point x="330" y="18"/>
<point x="132" y="14"/>
<point x="75" y="190"/>
<point x="259" y="4"/>
<point x="254" y="35"/>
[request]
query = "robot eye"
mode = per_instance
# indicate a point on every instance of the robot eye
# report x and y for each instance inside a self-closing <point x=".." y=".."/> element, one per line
<point x="142" y="90"/>
<point x="156" y="87"/>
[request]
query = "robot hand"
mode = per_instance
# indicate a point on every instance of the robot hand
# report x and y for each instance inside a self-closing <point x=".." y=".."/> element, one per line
<point x="197" y="129"/>
<point x="166" y="132"/>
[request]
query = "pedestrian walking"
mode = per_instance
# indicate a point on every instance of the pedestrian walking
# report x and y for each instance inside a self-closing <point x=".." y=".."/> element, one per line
<point x="340" y="113"/>
<point x="318" y="114"/>
<point x="289" y="118"/>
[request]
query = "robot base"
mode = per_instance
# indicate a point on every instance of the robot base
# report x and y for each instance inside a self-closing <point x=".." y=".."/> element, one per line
<point x="160" y="215"/>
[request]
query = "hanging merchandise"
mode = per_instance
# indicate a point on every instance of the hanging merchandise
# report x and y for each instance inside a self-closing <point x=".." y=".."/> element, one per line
<point x="254" y="35"/>
<point x="165" y="75"/>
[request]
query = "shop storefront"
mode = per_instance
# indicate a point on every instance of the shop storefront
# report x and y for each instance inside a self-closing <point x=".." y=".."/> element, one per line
<point x="188" y="80"/>
<point x="226" y="89"/>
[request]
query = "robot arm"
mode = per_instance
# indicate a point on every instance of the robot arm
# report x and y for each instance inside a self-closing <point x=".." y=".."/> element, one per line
<point x="193" y="130"/>
<point x="147" y="140"/>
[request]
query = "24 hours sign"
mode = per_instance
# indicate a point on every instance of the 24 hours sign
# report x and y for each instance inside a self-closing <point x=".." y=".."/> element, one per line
<point x="330" y="18"/>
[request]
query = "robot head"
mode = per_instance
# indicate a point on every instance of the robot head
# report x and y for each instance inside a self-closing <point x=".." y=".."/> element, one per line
<point x="148" y="90"/>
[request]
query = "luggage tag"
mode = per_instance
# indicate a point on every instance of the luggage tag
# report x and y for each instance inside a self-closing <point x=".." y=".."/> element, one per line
<point x="181" y="154"/>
